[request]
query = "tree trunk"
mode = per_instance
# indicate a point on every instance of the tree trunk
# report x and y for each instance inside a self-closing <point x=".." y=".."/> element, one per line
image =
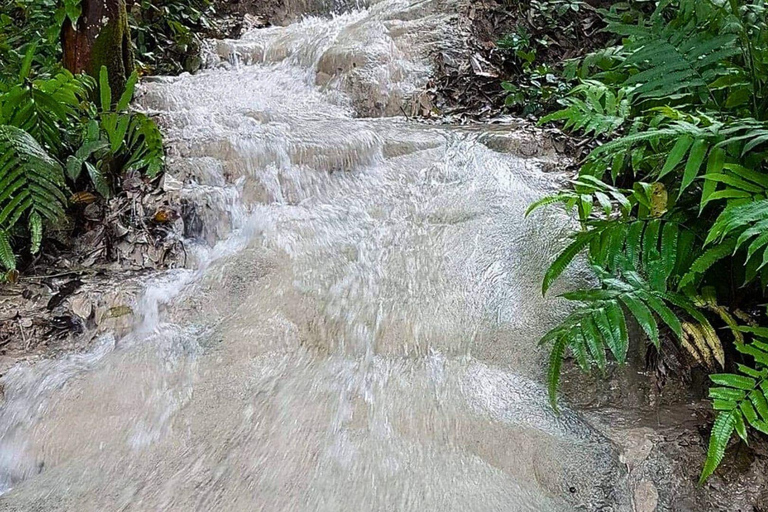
<point x="101" y="38"/>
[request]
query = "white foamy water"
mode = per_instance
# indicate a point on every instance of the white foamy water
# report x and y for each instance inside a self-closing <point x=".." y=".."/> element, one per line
<point x="363" y="335"/>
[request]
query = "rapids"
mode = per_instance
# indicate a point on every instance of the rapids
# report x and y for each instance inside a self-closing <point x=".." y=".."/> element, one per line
<point x="358" y="330"/>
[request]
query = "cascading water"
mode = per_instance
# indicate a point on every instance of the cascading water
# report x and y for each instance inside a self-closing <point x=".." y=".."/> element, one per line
<point x="363" y="334"/>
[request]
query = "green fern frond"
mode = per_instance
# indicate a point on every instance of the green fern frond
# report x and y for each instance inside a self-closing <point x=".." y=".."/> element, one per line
<point x="718" y="442"/>
<point x="706" y="260"/>
<point x="599" y="324"/>
<point x="7" y="258"/>
<point x="674" y="59"/>
<point x="690" y="143"/>
<point x="734" y="220"/>
<point x="31" y="184"/>
<point x="742" y="400"/>
<point x="601" y="111"/>
<point x="145" y="142"/>
<point x="44" y="108"/>
<point x="548" y="200"/>
<point x="555" y="363"/>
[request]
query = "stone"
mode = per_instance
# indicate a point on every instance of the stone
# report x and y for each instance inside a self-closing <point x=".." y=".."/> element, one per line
<point x="81" y="306"/>
<point x="646" y="497"/>
<point x="636" y="446"/>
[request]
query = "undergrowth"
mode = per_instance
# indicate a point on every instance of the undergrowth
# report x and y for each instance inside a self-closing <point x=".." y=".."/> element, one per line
<point x="673" y="201"/>
<point x="64" y="139"/>
<point x="167" y="34"/>
<point x="539" y="46"/>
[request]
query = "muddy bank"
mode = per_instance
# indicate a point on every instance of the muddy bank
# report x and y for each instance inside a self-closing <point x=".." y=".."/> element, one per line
<point x="89" y="274"/>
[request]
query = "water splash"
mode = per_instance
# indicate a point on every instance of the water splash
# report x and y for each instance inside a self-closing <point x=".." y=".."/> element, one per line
<point x="359" y="331"/>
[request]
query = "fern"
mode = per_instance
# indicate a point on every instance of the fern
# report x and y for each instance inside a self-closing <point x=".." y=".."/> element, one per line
<point x="31" y="188"/>
<point x="677" y="58"/>
<point x="44" y="108"/>
<point x="600" y="112"/>
<point x="689" y="149"/>
<point x="672" y="64"/>
<point x="735" y="220"/>
<point x="116" y="140"/>
<point x="599" y="325"/>
<point x="741" y="400"/>
<point x="145" y="146"/>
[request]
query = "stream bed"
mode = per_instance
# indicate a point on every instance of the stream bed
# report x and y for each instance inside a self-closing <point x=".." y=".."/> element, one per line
<point x="358" y="327"/>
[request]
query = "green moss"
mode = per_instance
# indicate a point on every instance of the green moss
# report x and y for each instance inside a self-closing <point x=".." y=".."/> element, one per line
<point x="112" y="49"/>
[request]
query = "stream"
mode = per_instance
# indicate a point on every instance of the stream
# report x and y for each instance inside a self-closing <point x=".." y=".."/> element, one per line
<point x="358" y="327"/>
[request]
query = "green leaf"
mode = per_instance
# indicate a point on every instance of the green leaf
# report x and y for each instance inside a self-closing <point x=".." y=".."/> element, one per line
<point x="741" y="429"/>
<point x="718" y="441"/>
<point x="73" y="10"/>
<point x="36" y="232"/>
<point x="669" y="237"/>
<point x="644" y="317"/>
<point x="746" y="370"/>
<point x="666" y="314"/>
<point x="748" y="411"/>
<point x="726" y="194"/>
<point x="693" y="165"/>
<point x="127" y="96"/>
<point x="761" y="404"/>
<point x="738" y="97"/>
<point x="734" y="381"/>
<point x="7" y="258"/>
<point x="715" y="165"/>
<point x="706" y="260"/>
<point x="105" y="91"/>
<point x="730" y="394"/>
<point x="99" y="181"/>
<point x="620" y="334"/>
<point x="591" y="295"/>
<point x="594" y="341"/>
<point x="579" y="348"/>
<point x="564" y="259"/>
<point x="553" y="375"/>
<point x="26" y="64"/>
<point x="748" y="174"/>
<point x="719" y="404"/>
<point x="735" y="182"/>
<point x="633" y="245"/>
<point x="676" y="155"/>
<point x="31" y="184"/>
<point x="759" y="355"/>
<point x="74" y="167"/>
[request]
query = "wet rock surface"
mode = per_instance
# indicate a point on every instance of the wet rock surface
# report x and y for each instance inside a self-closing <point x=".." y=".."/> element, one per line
<point x="362" y="334"/>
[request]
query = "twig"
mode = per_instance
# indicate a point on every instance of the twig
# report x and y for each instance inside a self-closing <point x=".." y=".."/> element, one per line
<point x="23" y="336"/>
<point x="405" y="113"/>
<point x="62" y="274"/>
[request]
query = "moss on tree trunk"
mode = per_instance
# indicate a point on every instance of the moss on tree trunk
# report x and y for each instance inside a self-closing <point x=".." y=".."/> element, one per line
<point x="101" y="38"/>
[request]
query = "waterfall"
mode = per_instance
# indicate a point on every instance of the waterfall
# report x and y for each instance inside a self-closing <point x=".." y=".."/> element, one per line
<point x="358" y="331"/>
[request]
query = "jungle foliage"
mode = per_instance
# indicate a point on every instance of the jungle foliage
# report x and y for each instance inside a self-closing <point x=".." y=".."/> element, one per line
<point x="536" y="51"/>
<point x="62" y="136"/>
<point x="673" y="201"/>
<point x="167" y="33"/>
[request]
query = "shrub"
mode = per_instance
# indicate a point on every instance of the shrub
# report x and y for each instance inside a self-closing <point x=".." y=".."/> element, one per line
<point x="46" y="121"/>
<point x="167" y="34"/>
<point x="673" y="203"/>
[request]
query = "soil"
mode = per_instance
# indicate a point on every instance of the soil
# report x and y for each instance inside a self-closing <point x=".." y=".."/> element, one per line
<point x="472" y="89"/>
<point x="69" y="295"/>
